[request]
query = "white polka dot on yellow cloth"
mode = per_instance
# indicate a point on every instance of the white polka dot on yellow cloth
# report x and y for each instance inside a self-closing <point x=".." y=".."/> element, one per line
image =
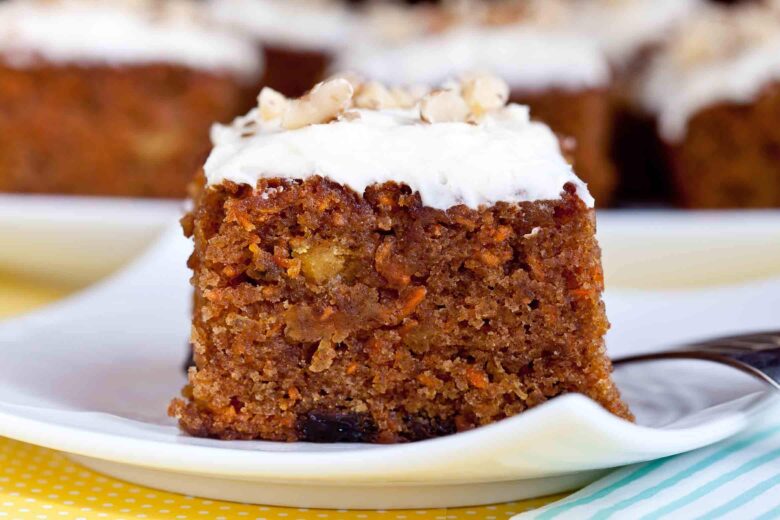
<point x="36" y="483"/>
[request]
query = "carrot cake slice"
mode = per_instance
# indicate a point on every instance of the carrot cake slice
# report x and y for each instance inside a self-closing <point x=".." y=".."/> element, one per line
<point x="715" y="91"/>
<point x="562" y="76"/>
<point x="113" y="98"/>
<point x="299" y="38"/>
<point x="370" y="266"/>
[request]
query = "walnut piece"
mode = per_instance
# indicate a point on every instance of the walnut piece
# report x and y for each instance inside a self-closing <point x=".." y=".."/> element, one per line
<point x="321" y="104"/>
<point x="321" y="262"/>
<point x="374" y="96"/>
<point x="484" y="93"/>
<point x="272" y="104"/>
<point x="444" y="106"/>
<point x="323" y="357"/>
<point x="354" y="79"/>
<point x="349" y="115"/>
<point x="334" y="100"/>
<point x="407" y="98"/>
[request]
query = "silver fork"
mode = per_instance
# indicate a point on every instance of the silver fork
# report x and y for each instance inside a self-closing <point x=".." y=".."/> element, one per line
<point x="757" y="354"/>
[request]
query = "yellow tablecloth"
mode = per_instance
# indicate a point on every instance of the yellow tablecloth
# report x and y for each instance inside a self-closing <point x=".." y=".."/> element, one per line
<point x="36" y="483"/>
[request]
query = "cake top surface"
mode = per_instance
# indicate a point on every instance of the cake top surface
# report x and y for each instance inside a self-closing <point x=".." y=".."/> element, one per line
<point x="298" y="24"/>
<point x="461" y="144"/>
<point x="526" y="43"/>
<point x="726" y="54"/>
<point x="120" y="32"/>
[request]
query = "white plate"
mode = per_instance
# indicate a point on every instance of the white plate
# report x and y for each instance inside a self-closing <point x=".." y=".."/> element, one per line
<point x="77" y="240"/>
<point x="92" y="375"/>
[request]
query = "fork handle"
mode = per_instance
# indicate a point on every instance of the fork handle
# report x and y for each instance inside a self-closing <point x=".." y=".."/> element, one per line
<point x="754" y="354"/>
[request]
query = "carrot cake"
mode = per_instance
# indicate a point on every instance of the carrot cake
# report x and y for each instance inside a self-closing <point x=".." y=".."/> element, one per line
<point x="715" y="91"/>
<point x="298" y="37"/>
<point x="113" y="98"/>
<point x="370" y="267"/>
<point x="562" y="76"/>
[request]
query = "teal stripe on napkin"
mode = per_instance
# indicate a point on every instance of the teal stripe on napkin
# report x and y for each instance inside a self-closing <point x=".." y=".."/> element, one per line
<point x="737" y="478"/>
<point x="743" y="499"/>
<point x="713" y="485"/>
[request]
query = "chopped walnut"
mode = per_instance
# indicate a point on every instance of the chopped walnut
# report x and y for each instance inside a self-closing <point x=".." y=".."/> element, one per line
<point x="444" y="106"/>
<point x="323" y="357"/>
<point x="337" y="99"/>
<point x="272" y="104"/>
<point x="321" y="104"/>
<point x="375" y="96"/>
<point x="484" y="93"/>
<point x="349" y="115"/>
<point x="321" y="262"/>
<point x="354" y="79"/>
<point x="406" y="98"/>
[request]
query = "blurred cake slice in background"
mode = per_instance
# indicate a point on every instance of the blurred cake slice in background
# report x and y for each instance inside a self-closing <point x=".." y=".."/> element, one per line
<point x="715" y="92"/>
<point x="563" y="76"/>
<point x="299" y="38"/>
<point x="113" y="97"/>
<point x="630" y="32"/>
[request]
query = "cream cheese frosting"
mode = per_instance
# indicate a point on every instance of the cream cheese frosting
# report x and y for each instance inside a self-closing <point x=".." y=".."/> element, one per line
<point x="528" y="58"/>
<point x="505" y="157"/>
<point x="724" y="55"/>
<point x="120" y="32"/>
<point x="308" y="24"/>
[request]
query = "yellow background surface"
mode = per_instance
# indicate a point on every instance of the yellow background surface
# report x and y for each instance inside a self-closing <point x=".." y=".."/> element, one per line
<point x="37" y="483"/>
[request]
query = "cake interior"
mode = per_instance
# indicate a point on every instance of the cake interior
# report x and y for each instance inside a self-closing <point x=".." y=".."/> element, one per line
<point x="326" y="315"/>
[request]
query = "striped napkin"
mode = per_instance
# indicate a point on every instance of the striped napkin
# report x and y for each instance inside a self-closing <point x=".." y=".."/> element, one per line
<point x="738" y="478"/>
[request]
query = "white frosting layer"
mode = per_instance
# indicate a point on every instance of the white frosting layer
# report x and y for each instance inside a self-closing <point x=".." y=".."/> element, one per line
<point x="527" y="58"/>
<point x="308" y="24"/>
<point x="729" y="57"/>
<point x="114" y="32"/>
<point x="504" y="158"/>
<point x="622" y="28"/>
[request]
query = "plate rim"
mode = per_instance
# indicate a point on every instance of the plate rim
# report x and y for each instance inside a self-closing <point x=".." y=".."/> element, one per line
<point x="189" y="458"/>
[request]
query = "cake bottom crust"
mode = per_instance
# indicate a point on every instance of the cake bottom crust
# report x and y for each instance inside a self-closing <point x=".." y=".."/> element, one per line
<point x="328" y="316"/>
